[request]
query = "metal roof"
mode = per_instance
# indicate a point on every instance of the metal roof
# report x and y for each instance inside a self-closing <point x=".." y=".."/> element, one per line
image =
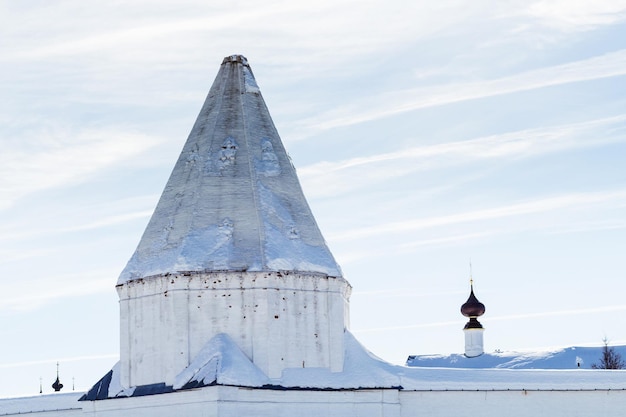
<point x="233" y="201"/>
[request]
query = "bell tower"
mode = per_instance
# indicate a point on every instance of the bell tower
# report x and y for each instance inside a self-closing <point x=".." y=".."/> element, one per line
<point x="473" y="330"/>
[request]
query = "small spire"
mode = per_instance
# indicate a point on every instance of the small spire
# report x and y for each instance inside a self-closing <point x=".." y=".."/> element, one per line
<point x="40" y="385"/>
<point x="57" y="384"/>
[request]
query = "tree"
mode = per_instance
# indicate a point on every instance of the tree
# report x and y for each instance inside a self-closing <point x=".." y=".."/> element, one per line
<point x="610" y="359"/>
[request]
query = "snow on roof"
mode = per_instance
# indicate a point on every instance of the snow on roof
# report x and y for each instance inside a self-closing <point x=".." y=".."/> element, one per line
<point x="233" y="201"/>
<point x="564" y="358"/>
<point x="221" y="362"/>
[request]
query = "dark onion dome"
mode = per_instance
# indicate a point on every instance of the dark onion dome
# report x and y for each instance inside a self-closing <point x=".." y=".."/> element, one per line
<point x="57" y="385"/>
<point x="472" y="307"/>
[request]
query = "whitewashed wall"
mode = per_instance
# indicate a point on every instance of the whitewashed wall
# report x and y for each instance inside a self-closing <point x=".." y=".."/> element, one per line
<point x="473" y="342"/>
<point x="279" y="320"/>
<point x="591" y="403"/>
<point x="237" y="402"/>
<point x="49" y="405"/>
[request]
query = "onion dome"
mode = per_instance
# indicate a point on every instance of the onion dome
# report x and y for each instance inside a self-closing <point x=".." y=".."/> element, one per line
<point x="472" y="307"/>
<point x="57" y="384"/>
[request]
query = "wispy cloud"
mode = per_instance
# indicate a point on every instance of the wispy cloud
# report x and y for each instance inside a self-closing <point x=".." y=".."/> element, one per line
<point x="592" y="226"/>
<point x="608" y="65"/>
<point x="122" y="37"/>
<point x="13" y="254"/>
<point x="404" y="292"/>
<point x="407" y="327"/>
<point x="593" y="310"/>
<point x="76" y="218"/>
<point x="568" y="201"/>
<point x="570" y="15"/>
<point x="330" y="178"/>
<point x="446" y="240"/>
<point x="109" y="221"/>
<point x="353" y="255"/>
<point x="61" y="157"/>
<point x="77" y="30"/>
<point x="24" y="296"/>
<point x="55" y="360"/>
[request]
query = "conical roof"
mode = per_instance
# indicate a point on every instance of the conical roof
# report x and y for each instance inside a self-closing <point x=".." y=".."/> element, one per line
<point x="233" y="201"/>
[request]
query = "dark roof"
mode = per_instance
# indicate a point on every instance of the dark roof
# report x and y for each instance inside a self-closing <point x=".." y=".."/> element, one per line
<point x="472" y="307"/>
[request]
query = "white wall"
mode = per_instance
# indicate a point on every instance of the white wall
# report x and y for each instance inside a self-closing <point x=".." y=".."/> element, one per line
<point x="226" y="401"/>
<point x="279" y="320"/>
<point x="238" y="402"/>
<point x="473" y="342"/>
<point x="49" y="405"/>
<point x="592" y="403"/>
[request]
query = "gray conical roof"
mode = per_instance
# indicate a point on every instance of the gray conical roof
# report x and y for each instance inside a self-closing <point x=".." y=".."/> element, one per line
<point x="233" y="201"/>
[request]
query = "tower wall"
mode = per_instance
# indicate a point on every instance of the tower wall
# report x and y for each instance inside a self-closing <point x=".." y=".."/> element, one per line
<point x="279" y="320"/>
<point x="473" y="342"/>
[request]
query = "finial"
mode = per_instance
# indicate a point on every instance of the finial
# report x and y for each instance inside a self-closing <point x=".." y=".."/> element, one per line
<point x="236" y="58"/>
<point x="471" y="278"/>
<point x="40" y="385"/>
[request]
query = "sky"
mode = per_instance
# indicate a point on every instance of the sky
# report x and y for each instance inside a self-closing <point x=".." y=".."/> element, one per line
<point x="426" y="135"/>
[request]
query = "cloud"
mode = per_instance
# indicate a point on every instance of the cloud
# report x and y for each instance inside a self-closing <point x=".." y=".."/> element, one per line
<point x="122" y="37"/>
<point x="586" y="311"/>
<point x="52" y="288"/>
<point x="11" y="236"/>
<point x="12" y="255"/>
<point x="47" y="159"/>
<point x="64" y="219"/>
<point x="109" y="221"/>
<point x="446" y="240"/>
<point x="591" y="310"/>
<point x="63" y="360"/>
<point x="332" y="178"/>
<point x="353" y="255"/>
<point x="405" y="292"/>
<point x="611" y="224"/>
<point x="389" y="104"/>
<point x="407" y="327"/>
<point x="76" y="30"/>
<point x="567" y="201"/>
<point x="570" y="15"/>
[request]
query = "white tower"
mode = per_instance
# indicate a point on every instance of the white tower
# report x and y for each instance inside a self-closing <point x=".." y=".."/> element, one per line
<point x="232" y="247"/>
<point x="473" y="330"/>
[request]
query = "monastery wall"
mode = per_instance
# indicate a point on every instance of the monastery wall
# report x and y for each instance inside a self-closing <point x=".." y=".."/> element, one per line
<point x="518" y="403"/>
<point x="224" y="401"/>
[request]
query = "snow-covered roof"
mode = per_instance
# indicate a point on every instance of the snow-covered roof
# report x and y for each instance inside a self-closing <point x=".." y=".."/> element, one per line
<point x="573" y="357"/>
<point x="221" y="362"/>
<point x="233" y="201"/>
